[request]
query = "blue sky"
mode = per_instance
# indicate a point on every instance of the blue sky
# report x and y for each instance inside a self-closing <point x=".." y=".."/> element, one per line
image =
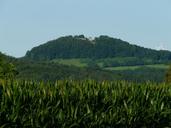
<point x="28" y="23"/>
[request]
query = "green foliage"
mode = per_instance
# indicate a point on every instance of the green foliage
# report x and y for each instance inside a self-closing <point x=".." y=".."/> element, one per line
<point x="72" y="62"/>
<point x="101" y="47"/>
<point x="168" y="75"/>
<point x="85" y="104"/>
<point x="142" y="74"/>
<point x="7" y="70"/>
<point x="77" y="57"/>
<point x="155" y="66"/>
<point x="52" y="71"/>
<point x="107" y="62"/>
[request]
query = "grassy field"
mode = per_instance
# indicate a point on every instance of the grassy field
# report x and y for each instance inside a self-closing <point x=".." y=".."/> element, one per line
<point x="158" y="66"/>
<point x="72" y="62"/>
<point x="100" y="62"/>
<point x="85" y="104"/>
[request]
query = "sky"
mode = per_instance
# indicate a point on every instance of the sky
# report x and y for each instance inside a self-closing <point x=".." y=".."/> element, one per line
<point x="25" y="24"/>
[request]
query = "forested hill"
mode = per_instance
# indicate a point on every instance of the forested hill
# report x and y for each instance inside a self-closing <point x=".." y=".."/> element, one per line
<point x="98" y="48"/>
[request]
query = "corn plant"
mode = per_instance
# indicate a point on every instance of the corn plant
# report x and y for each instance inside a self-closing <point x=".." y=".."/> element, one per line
<point x="85" y="104"/>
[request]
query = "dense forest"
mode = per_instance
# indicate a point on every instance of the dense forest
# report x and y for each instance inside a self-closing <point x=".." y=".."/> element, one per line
<point x="98" y="48"/>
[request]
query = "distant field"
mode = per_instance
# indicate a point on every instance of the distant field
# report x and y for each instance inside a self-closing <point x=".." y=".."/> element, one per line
<point x="162" y="66"/>
<point x="123" y="68"/>
<point x="158" y="66"/>
<point x="85" y="63"/>
<point x="73" y="62"/>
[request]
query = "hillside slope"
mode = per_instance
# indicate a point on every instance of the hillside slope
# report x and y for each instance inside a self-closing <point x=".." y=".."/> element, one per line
<point x="51" y="71"/>
<point x="47" y="71"/>
<point x="101" y="47"/>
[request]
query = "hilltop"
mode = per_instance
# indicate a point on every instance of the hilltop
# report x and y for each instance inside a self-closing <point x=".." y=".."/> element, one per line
<point x="97" y="48"/>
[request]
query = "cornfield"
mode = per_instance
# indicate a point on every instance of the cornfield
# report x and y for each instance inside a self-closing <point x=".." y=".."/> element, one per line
<point x="84" y="104"/>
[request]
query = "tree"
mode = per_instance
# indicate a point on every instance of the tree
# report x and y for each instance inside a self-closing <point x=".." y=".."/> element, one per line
<point x="7" y="70"/>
